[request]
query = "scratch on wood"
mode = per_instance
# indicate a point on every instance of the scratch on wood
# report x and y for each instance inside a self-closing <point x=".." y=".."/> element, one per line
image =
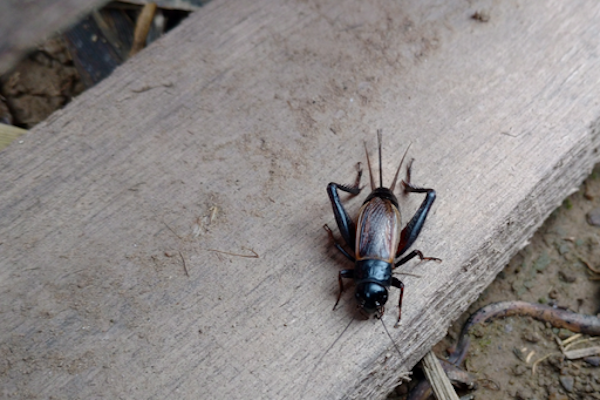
<point x="145" y="87"/>
<point x="171" y="229"/>
<point x="184" y="266"/>
<point x="255" y="255"/>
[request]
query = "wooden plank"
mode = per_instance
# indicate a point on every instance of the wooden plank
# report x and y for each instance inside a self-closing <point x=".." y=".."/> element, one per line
<point x="24" y="25"/>
<point x="223" y="136"/>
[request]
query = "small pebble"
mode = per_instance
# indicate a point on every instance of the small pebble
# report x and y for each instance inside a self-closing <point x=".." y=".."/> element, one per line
<point x="478" y="332"/>
<point x="518" y="370"/>
<point x="564" y="334"/>
<point x="542" y="262"/>
<point x="594" y="361"/>
<point x="557" y="362"/>
<point x="593" y="217"/>
<point x="563" y="248"/>
<point x="531" y="337"/>
<point x="567" y="382"/>
<point x="567" y="276"/>
<point x="524" y="394"/>
<point x="557" y="396"/>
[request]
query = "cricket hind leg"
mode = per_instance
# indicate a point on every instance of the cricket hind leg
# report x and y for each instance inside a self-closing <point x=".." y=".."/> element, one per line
<point x="344" y="222"/>
<point x="413" y="228"/>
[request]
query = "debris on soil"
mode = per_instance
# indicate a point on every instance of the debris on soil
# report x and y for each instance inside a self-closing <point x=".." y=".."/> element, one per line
<point x="557" y="269"/>
<point x="551" y="270"/>
<point x="42" y="83"/>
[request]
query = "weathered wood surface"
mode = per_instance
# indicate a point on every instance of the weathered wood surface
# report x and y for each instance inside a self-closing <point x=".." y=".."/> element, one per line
<point x="223" y="135"/>
<point x="24" y="24"/>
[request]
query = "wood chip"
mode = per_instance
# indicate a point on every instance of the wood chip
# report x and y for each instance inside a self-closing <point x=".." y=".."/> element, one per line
<point x="442" y="388"/>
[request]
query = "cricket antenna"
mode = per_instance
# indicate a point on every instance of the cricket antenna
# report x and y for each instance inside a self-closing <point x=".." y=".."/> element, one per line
<point x="399" y="167"/>
<point x="390" y="336"/>
<point x="369" y="164"/>
<point x="379" y="131"/>
<point x="323" y="356"/>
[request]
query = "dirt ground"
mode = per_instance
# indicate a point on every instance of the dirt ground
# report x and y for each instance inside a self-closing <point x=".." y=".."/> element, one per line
<point x="553" y="269"/>
<point x="43" y="82"/>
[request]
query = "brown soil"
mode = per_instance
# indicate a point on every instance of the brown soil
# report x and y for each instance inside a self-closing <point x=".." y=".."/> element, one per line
<point x="553" y="269"/>
<point x="42" y="83"/>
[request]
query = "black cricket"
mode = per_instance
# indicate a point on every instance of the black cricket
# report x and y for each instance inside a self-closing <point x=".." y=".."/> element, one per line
<point x="378" y="241"/>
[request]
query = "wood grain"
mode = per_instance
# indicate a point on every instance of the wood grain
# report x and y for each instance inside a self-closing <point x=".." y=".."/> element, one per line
<point x="223" y="136"/>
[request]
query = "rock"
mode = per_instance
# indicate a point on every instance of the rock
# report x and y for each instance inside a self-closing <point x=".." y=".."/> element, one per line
<point x="524" y="394"/>
<point x="557" y="396"/>
<point x="593" y="360"/>
<point x="518" y="370"/>
<point x="567" y="382"/>
<point x="564" y="334"/>
<point x="567" y="276"/>
<point x="530" y="336"/>
<point x="593" y="217"/>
